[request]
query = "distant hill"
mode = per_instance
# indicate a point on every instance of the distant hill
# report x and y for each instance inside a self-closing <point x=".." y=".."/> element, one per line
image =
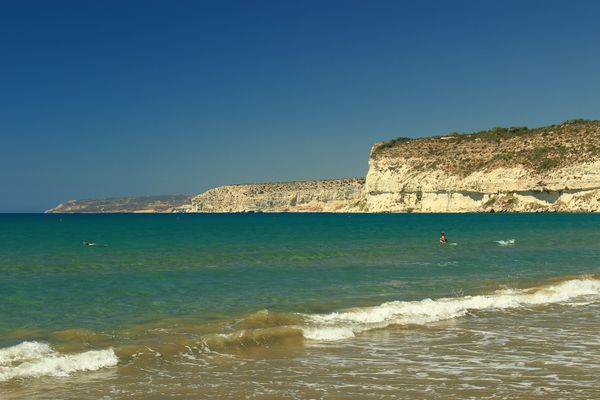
<point x="130" y="204"/>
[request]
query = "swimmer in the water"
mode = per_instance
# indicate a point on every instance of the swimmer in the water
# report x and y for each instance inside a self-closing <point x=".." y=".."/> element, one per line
<point x="443" y="238"/>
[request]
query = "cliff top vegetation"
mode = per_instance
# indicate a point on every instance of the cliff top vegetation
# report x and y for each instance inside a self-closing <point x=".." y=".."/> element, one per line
<point x="539" y="149"/>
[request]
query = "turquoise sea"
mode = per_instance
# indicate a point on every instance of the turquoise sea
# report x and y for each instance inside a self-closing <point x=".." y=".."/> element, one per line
<point x="337" y="306"/>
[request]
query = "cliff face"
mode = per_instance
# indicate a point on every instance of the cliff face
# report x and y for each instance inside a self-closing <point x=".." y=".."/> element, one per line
<point x="556" y="168"/>
<point x="131" y="204"/>
<point x="333" y="195"/>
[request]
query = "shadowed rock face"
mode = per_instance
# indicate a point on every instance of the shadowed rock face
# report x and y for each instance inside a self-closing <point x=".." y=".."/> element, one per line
<point x="554" y="168"/>
<point x="333" y="195"/>
<point x="132" y="204"/>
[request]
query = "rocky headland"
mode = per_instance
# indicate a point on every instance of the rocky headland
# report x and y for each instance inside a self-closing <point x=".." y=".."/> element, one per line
<point x="517" y="169"/>
<point x="554" y="168"/>
<point x="330" y="195"/>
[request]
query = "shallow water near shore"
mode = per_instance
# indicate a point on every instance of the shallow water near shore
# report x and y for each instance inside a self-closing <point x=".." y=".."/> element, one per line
<point x="300" y="306"/>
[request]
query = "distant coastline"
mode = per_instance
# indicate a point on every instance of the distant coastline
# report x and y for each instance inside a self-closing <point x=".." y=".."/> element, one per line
<point x="129" y="204"/>
<point x="554" y="168"/>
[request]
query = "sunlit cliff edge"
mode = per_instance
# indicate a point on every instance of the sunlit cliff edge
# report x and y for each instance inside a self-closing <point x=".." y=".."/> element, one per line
<point x="517" y="169"/>
<point x="330" y="195"/>
<point x="554" y="168"/>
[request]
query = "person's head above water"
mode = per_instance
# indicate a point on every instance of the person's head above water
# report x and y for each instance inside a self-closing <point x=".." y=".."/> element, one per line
<point x="443" y="238"/>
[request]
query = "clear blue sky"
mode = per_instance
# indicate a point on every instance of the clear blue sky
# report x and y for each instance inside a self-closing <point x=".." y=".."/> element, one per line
<point x="111" y="98"/>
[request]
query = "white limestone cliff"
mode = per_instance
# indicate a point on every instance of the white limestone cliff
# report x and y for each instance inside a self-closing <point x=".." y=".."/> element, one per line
<point x="548" y="169"/>
<point x="395" y="186"/>
<point x="332" y="195"/>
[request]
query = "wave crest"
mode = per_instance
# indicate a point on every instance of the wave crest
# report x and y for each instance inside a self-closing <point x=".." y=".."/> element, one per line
<point x="247" y="338"/>
<point x="34" y="359"/>
<point x="341" y="325"/>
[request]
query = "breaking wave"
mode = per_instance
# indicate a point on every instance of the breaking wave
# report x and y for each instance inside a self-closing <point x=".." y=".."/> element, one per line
<point x="268" y="331"/>
<point x="34" y="359"/>
<point x="266" y="328"/>
<point x="342" y="325"/>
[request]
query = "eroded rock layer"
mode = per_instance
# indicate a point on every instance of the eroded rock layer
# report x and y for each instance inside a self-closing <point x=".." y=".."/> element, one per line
<point x="555" y="168"/>
<point x="332" y="195"/>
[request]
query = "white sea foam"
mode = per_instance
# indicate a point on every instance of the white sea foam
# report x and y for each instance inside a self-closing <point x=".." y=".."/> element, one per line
<point x="24" y="351"/>
<point x="508" y="242"/>
<point x="33" y="359"/>
<point x="341" y="325"/>
<point x="328" y="333"/>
